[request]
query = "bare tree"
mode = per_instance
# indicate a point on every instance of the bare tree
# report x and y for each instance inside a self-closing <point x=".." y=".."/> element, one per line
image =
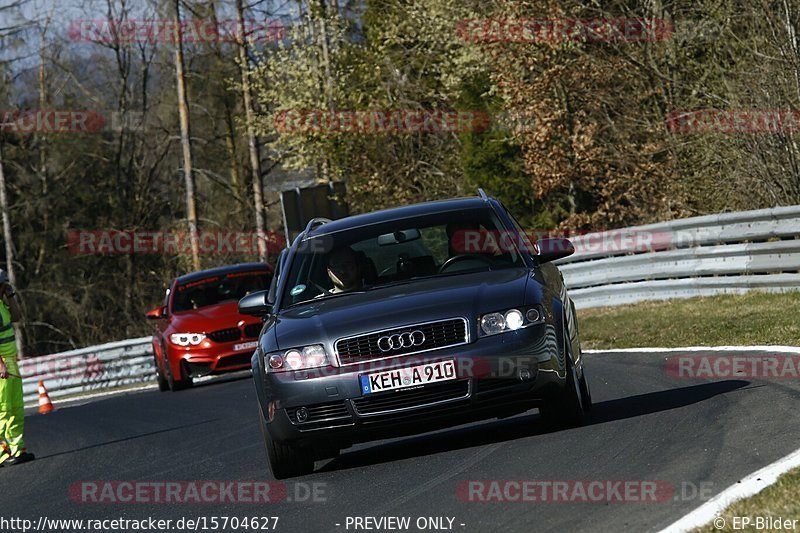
<point x="252" y="140"/>
<point x="9" y="246"/>
<point x="186" y="145"/>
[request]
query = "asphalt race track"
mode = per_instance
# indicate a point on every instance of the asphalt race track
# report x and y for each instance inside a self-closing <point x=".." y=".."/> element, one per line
<point x="697" y="435"/>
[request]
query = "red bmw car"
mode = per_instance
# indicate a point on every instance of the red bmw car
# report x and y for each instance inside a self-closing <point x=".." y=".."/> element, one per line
<point x="199" y="330"/>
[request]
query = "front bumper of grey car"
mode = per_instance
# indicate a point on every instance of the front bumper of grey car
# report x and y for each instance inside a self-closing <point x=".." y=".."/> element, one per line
<point x="495" y="376"/>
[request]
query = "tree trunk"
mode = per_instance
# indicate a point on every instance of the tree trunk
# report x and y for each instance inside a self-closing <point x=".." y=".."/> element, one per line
<point x="252" y="141"/>
<point x="188" y="174"/>
<point x="12" y="278"/>
<point x="43" y="178"/>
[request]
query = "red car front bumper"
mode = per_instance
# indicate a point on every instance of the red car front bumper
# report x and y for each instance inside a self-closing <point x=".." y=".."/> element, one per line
<point x="210" y="357"/>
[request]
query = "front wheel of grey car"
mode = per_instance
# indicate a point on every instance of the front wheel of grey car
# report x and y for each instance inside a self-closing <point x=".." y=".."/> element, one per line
<point x="285" y="460"/>
<point x="586" y="393"/>
<point x="567" y="408"/>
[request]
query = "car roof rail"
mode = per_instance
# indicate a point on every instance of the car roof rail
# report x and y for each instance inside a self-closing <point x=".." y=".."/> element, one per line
<point x="315" y="223"/>
<point x="482" y="194"/>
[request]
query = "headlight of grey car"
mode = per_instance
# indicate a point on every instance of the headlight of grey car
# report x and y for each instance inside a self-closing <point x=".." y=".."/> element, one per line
<point x="302" y="358"/>
<point x="510" y="320"/>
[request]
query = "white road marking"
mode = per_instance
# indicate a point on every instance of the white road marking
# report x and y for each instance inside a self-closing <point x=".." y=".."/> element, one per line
<point x="771" y="349"/>
<point x="750" y="485"/>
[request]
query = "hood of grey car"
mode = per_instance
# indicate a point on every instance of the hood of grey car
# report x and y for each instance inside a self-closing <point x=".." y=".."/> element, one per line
<point x="413" y="302"/>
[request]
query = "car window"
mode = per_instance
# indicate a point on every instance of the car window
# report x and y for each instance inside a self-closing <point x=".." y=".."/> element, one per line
<point x="371" y="257"/>
<point x="435" y="240"/>
<point x="385" y="258"/>
<point x="217" y="289"/>
<point x="522" y="238"/>
<point x="276" y="276"/>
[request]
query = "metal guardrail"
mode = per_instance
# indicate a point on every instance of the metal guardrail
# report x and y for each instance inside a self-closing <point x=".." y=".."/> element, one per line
<point x="89" y="369"/>
<point x="700" y="256"/>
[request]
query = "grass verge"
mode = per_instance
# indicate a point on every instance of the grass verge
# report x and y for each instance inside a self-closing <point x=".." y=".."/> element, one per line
<point x="776" y="501"/>
<point x="750" y="319"/>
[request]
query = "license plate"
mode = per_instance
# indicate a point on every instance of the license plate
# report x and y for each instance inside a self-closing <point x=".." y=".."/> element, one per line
<point x="408" y="377"/>
<point x="245" y="346"/>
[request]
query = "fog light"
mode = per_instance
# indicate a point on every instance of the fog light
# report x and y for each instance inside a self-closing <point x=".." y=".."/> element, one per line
<point x="301" y="414"/>
<point x="533" y="314"/>
<point x="271" y="411"/>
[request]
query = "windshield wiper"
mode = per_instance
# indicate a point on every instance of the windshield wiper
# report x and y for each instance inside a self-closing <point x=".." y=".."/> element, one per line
<point x="393" y="283"/>
<point x="326" y="297"/>
<point x="429" y="276"/>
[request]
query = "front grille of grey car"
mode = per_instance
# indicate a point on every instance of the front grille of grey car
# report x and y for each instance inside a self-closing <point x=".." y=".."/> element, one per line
<point x="252" y="331"/>
<point x="390" y="402"/>
<point x="225" y="335"/>
<point x="323" y="414"/>
<point x="439" y="334"/>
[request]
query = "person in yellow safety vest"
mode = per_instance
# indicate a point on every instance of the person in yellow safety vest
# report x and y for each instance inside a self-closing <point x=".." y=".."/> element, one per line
<point x="12" y="407"/>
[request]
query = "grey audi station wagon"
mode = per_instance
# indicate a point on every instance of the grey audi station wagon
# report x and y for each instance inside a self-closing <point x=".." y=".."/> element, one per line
<point x="412" y="319"/>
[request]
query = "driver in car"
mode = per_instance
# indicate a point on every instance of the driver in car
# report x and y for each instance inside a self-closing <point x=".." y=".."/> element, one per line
<point x="461" y="235"/>
<point x="344" y="270"/>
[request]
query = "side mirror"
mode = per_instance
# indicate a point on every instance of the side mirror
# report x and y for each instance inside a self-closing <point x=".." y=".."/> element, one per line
<point x="255" y="304"/>
<point x="157" y="312"/>
<point x="552" y="249"/>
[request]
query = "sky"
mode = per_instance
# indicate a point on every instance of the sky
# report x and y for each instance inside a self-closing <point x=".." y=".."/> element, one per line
<point x="60" y="16"/>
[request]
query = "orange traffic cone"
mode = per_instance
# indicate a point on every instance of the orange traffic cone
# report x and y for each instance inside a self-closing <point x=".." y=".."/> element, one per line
<point x="45" y="405"/>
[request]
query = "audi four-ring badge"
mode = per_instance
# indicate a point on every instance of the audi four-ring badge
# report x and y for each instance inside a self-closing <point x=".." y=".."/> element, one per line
<point x="407" y="339"/>
<point x="407" y="320"/>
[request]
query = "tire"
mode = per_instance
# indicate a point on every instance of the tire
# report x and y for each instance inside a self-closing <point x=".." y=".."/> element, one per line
<point x="285" y="460"/>
<point x="176" y="385"/>
<point x="567" y="408"/>
<point x="163" y="384"/>
<point x="586" y="393"/>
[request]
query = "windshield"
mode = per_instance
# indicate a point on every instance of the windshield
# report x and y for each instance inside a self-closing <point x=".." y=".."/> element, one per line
<point x="397" y="251"/>
<point x="217" y="289"/>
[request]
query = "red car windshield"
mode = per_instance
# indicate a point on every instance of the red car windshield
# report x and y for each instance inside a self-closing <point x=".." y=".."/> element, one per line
<point x="217" y="289"/>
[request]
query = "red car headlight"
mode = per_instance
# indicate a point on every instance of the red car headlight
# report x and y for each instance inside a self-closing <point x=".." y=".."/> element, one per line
<point x="187" y="339"/>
